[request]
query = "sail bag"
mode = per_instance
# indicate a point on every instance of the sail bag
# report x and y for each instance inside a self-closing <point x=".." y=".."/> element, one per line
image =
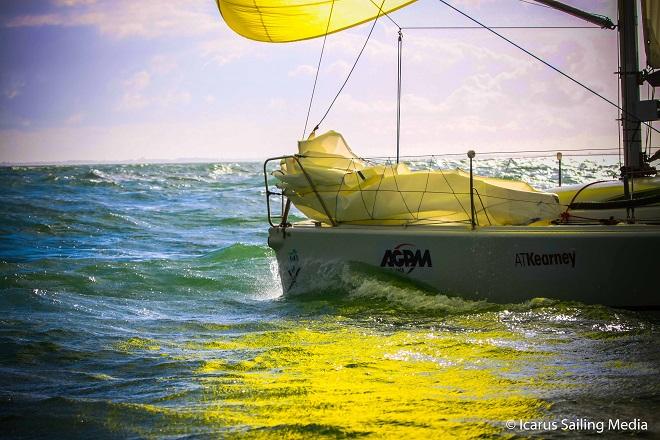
<point x="329" y="183"/>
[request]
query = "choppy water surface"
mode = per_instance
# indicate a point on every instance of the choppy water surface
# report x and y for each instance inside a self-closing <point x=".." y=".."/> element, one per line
<point x="142" y="301"/>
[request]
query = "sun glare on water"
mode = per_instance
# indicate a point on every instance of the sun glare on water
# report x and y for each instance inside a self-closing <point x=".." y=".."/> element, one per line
<point x="333" y="378"/>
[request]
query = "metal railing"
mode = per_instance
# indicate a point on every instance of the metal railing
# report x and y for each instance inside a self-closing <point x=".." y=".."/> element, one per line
<point x="287" y="206"/>
<point x="281" y="219"/>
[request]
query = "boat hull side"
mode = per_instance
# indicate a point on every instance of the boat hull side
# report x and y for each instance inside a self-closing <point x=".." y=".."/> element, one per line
<point x="610" y="265"/>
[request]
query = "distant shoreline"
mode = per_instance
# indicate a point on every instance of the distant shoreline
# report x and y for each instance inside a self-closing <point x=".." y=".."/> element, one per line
<point x="198" y="160"/>
<point x="178" y="161"/>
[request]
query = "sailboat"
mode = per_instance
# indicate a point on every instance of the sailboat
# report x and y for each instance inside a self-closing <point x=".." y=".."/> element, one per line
<point x="452" y="231"/>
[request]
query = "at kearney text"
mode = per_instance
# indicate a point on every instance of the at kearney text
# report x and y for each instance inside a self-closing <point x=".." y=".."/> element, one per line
<point x="532" y="259"/>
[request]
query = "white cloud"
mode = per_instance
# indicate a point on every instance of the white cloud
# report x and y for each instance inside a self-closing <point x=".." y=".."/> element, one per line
<point x="134" y="87"/>
<point x="219" y="139"/>
<point x="416" y="103"/>
<point x="471" y="3"/>
<point x="302" y="70"/>
<point x="443" y="52"/>
<point x="36" y="20"/>
<point x="127" y="18"/>
<point x="277" y="104"/>
<point x="350" y="42"/>
<point x="366" y="108"/>
<point x="339" y="68"/>
<point x="173" y="98"/>
<point x="133" y="101"/>
<point x="163" y="64"/>
<point x="137" y="93"/>
<point x="75" y="119"/>
<point x="13" y="88"/>
<point x="221" y="51"/>
<point x="120" y="19"/>
<point x="73" y="3"/>
<point x="138" y="82"/>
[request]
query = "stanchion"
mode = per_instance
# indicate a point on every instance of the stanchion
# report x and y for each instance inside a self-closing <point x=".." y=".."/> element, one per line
<point x="559" y="160"/>
<point x="471" y="154"/>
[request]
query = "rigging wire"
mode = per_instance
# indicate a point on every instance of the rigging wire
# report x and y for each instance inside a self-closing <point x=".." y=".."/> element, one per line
<point x="647" y="133"/>
<point x="318" y="67"/>
<point x="398" y="93"/>
<point x="385" y="13"/>
<point x="619" y="123"/>
<point x="398" y="81"/>
<point x="352" y="68"/>
<point x="548" y="153"/>
<point x="547" y="64"/>
<point x="498" y="27"/>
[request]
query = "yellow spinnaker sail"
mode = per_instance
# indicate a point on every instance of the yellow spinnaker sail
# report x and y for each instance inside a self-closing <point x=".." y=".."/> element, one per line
<point x="281" y="21"/>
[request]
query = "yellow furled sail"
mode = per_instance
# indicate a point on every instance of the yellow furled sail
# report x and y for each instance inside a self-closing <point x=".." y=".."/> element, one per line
<point x="281" y="21"/>
<point x="347" y="189"/>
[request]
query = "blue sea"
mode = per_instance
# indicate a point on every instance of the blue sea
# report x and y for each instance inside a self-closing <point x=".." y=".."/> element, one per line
<point x="141" y="301"/>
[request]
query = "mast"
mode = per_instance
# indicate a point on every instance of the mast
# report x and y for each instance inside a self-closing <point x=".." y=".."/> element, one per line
<point x="628" y="77"/>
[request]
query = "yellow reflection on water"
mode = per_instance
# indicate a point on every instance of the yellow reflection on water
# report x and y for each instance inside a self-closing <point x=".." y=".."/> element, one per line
<point x="135" y="343"/>
<point x="315" y="379"/>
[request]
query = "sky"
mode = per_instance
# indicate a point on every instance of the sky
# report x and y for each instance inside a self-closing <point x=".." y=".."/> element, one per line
<point x="125" y="80"/>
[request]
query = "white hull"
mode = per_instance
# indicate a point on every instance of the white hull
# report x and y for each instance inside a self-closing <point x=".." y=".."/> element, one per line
<point x="610" y="265"/>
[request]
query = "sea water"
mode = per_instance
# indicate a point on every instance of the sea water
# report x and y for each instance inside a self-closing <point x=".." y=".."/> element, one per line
<point x="141" y="301"/>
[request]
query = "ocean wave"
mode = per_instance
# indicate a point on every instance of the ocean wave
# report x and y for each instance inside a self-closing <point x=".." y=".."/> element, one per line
<point x="98" y="176"/>
<point x="237" y="252"/>
<point x="540" y="172"/>
<point x="361" y="287"/>
<point x="362" y="283"/>
<point x="239" y="221"/>
<point x="223" y="169"/>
